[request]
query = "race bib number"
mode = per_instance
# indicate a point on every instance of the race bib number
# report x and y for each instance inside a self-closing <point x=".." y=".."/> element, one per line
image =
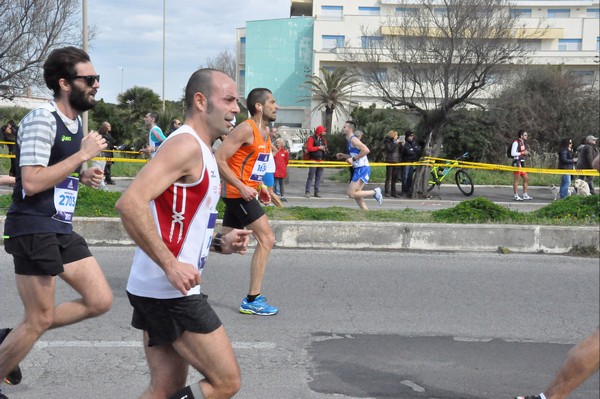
<point x="65" y="197"/>
<point x="208" y="236"/>
<point x="260" y="167"/>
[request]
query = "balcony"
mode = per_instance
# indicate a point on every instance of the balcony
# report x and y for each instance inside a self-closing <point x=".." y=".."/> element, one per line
<point x="301" y="8"/>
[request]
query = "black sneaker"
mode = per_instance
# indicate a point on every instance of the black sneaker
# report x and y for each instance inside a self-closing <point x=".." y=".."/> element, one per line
<point x="3" y="396"/>
<point x="15" y="376"/>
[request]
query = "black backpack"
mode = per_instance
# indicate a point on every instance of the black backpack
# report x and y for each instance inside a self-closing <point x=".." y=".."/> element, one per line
<point x="509" y="150"/>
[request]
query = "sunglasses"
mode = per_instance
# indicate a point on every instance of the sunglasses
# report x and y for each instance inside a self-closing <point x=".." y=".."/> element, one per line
<point x="89" y="79"/>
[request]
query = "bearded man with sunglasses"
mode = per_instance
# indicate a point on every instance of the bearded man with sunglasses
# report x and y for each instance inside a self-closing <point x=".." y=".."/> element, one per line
<point x="38" y="230"/>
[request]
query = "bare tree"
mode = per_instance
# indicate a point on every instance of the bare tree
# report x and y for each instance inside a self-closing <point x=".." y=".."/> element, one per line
<point x="224" y="61"/>
<point x="29" y="30"/>
<point x="436" y="56"/>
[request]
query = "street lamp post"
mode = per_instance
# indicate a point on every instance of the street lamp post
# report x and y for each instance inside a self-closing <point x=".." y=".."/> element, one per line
<point x="122" y="69"/>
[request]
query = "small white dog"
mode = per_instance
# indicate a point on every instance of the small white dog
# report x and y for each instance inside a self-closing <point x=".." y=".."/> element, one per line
<point x="556" y="191"/>
<point x="581" y="187"/>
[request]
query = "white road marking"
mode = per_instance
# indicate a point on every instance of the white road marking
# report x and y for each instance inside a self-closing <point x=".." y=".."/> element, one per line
<point x="413" y="386"/>
<point x="135" y="344"/>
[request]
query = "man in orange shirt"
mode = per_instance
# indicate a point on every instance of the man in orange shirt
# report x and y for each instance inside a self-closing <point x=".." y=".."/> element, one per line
<point x="242" y="160"/>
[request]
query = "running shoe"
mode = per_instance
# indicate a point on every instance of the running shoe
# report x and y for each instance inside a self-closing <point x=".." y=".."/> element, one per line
<point x="259" y="307"/>
<point x="3" y="396"/>
<point x="378" y="197"/>
<point x="517" y="198"/>
<point x="528" y="397"/>
<point x="15" y="376"/>
<point x="527" y="197"/>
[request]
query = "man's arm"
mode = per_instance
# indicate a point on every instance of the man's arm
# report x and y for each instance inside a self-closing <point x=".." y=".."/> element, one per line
<point x="37" y="178"/>
<point x="242" y="134"/>
<point x="179" y="160"/>
<point x="364" y="150"/>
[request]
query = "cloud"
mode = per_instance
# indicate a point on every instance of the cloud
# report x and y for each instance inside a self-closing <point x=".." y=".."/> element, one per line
<point x="130" y="35"/>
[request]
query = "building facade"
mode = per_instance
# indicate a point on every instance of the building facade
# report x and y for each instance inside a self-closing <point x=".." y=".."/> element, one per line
<point x="281" y="54"/>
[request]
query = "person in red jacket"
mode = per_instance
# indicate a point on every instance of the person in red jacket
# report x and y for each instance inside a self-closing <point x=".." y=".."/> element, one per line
<point x="282" y="157"/>
<point x="316" y="146"/>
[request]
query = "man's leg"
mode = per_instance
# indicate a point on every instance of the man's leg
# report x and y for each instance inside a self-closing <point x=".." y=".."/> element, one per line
<point x="356" y="192"/>
<point x="309" y="180"/>
<point x="168" y="370"/>
<point x="37" y="295"/>
<point x="582" y="361"/>
<point x="525" y="182"/>
<point x="516" y="183"/>
<point x="318" y="175"/>
<point x="212" y="355"/>
<point x="265" y="240"/>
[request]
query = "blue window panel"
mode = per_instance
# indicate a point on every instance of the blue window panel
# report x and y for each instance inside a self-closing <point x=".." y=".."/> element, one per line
<point x="371" y="41"/>
<point x="520" y="12"/>
<point x="569" y="44"/>
<point x="332" y="41"/>
<point x="243" y="40"/>
<point x="593" y="12"/>
<point x="559" y="13"/>
<point x="332" y="12"/>
<point x="369" y="10"/>
<point x="405" y="11"/>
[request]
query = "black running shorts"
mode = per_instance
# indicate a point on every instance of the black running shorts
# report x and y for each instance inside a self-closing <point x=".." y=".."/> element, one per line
<point x="44" y="254"/>
<point x="240" y="213"/>
<point x="166" y="319"/>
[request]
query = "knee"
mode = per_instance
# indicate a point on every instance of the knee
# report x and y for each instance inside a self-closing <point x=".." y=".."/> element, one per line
<point x="266" y="241"/>
<point x="100" y="304"/>
<point x="229" y="386"/>
<point x="39" y="322"/>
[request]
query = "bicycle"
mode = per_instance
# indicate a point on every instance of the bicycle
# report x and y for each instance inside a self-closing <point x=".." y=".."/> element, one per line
<point x="462" y="178"/>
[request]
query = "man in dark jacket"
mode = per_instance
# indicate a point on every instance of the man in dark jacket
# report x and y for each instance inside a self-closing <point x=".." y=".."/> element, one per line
<point x="588" y="154"/>
<point x="411" y="152"/>
<point x="393" y="147"/>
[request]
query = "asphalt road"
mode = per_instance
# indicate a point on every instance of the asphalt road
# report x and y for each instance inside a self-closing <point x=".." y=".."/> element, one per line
<point x="352" y="325"/>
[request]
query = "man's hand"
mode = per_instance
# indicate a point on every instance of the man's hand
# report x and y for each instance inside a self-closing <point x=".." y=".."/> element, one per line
<point x="247" y="192"/>
<point x="263" y="195"/>
<point x="92" y="144"/>
<point x="183" y="276"/>
<point x="236" y="241"/>
<point x="92" y="177"/>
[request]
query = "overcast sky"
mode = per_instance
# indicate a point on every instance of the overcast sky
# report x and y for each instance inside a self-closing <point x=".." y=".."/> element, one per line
<point x="129" y="34"/>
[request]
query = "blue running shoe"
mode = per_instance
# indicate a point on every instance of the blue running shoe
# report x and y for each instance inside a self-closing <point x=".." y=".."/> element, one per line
<point x="259" y="307"/>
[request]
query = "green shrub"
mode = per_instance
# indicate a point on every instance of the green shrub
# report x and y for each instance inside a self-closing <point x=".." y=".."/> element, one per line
<point x="572" y="209"/>
<point x="477" y="210"/>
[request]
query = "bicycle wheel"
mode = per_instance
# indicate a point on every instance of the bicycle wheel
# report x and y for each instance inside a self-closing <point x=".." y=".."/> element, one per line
<point x="464" y="182"/>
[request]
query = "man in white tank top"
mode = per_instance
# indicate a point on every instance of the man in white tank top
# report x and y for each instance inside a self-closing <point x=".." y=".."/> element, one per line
<point x="169" y="210"/>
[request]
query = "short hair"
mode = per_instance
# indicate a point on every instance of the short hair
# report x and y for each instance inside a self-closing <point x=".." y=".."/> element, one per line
<point x="154" y="115"/>
<point x="521" y="132"/>
<point x="103" y="129"/>
<point x="352" y="124"/>
<point x="392" y="133"/>
<point x="61" y="65"/>
<point x="257" y="96"/>
<point x="200" y="82"/>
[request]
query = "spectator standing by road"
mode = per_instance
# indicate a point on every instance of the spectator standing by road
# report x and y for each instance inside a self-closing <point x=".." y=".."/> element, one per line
<point x="105" y="131"/>
<point x="392" y="155"/>
<point x="316" y="145"/>
<point x="411" y="152"/>
<point x="282" y="158"/>
<point x="565" y="161"/>
<point x="9" y="134"/>
<point x="519" y="153"/>
<point x="589" y="152"/>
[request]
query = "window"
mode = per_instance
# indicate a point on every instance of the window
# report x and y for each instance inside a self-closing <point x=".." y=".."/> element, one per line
<point x="332" y="41"/>
<point x="593" y="13"/>
<point x="584" y="77"/>
<point x="559" y="13"/>
<point x="243" y="40"/>
<point x="598" y="43"/>
<point x="369" y="10"/>
<point x="520" y="12"/>
<point x="371" y="41"/>
<point x="531" y="44"/>
<point x="406" y="12"/>
<point x="440" y="12"/>
<point x="569" y="44"/>
<point x="332" y="13"/>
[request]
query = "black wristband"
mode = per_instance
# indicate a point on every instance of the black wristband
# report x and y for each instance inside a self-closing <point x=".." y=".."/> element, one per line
<point x="216" y="243"/>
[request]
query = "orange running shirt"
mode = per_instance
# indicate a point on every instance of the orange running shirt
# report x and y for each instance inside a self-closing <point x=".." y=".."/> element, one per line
<point x="248" y="163"/>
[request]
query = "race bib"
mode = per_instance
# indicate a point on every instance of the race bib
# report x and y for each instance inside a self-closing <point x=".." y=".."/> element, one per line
<point x="260" y="167"/>
<point x="208" y="236"/>
<point x="65" y="197"/>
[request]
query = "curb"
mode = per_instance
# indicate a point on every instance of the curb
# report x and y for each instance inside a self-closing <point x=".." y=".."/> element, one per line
<point x="391" y="236"/>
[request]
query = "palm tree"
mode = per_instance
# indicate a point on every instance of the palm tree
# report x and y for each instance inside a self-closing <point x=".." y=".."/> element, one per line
<point x="332" y="92"/>
<point x="134" y="103"/>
